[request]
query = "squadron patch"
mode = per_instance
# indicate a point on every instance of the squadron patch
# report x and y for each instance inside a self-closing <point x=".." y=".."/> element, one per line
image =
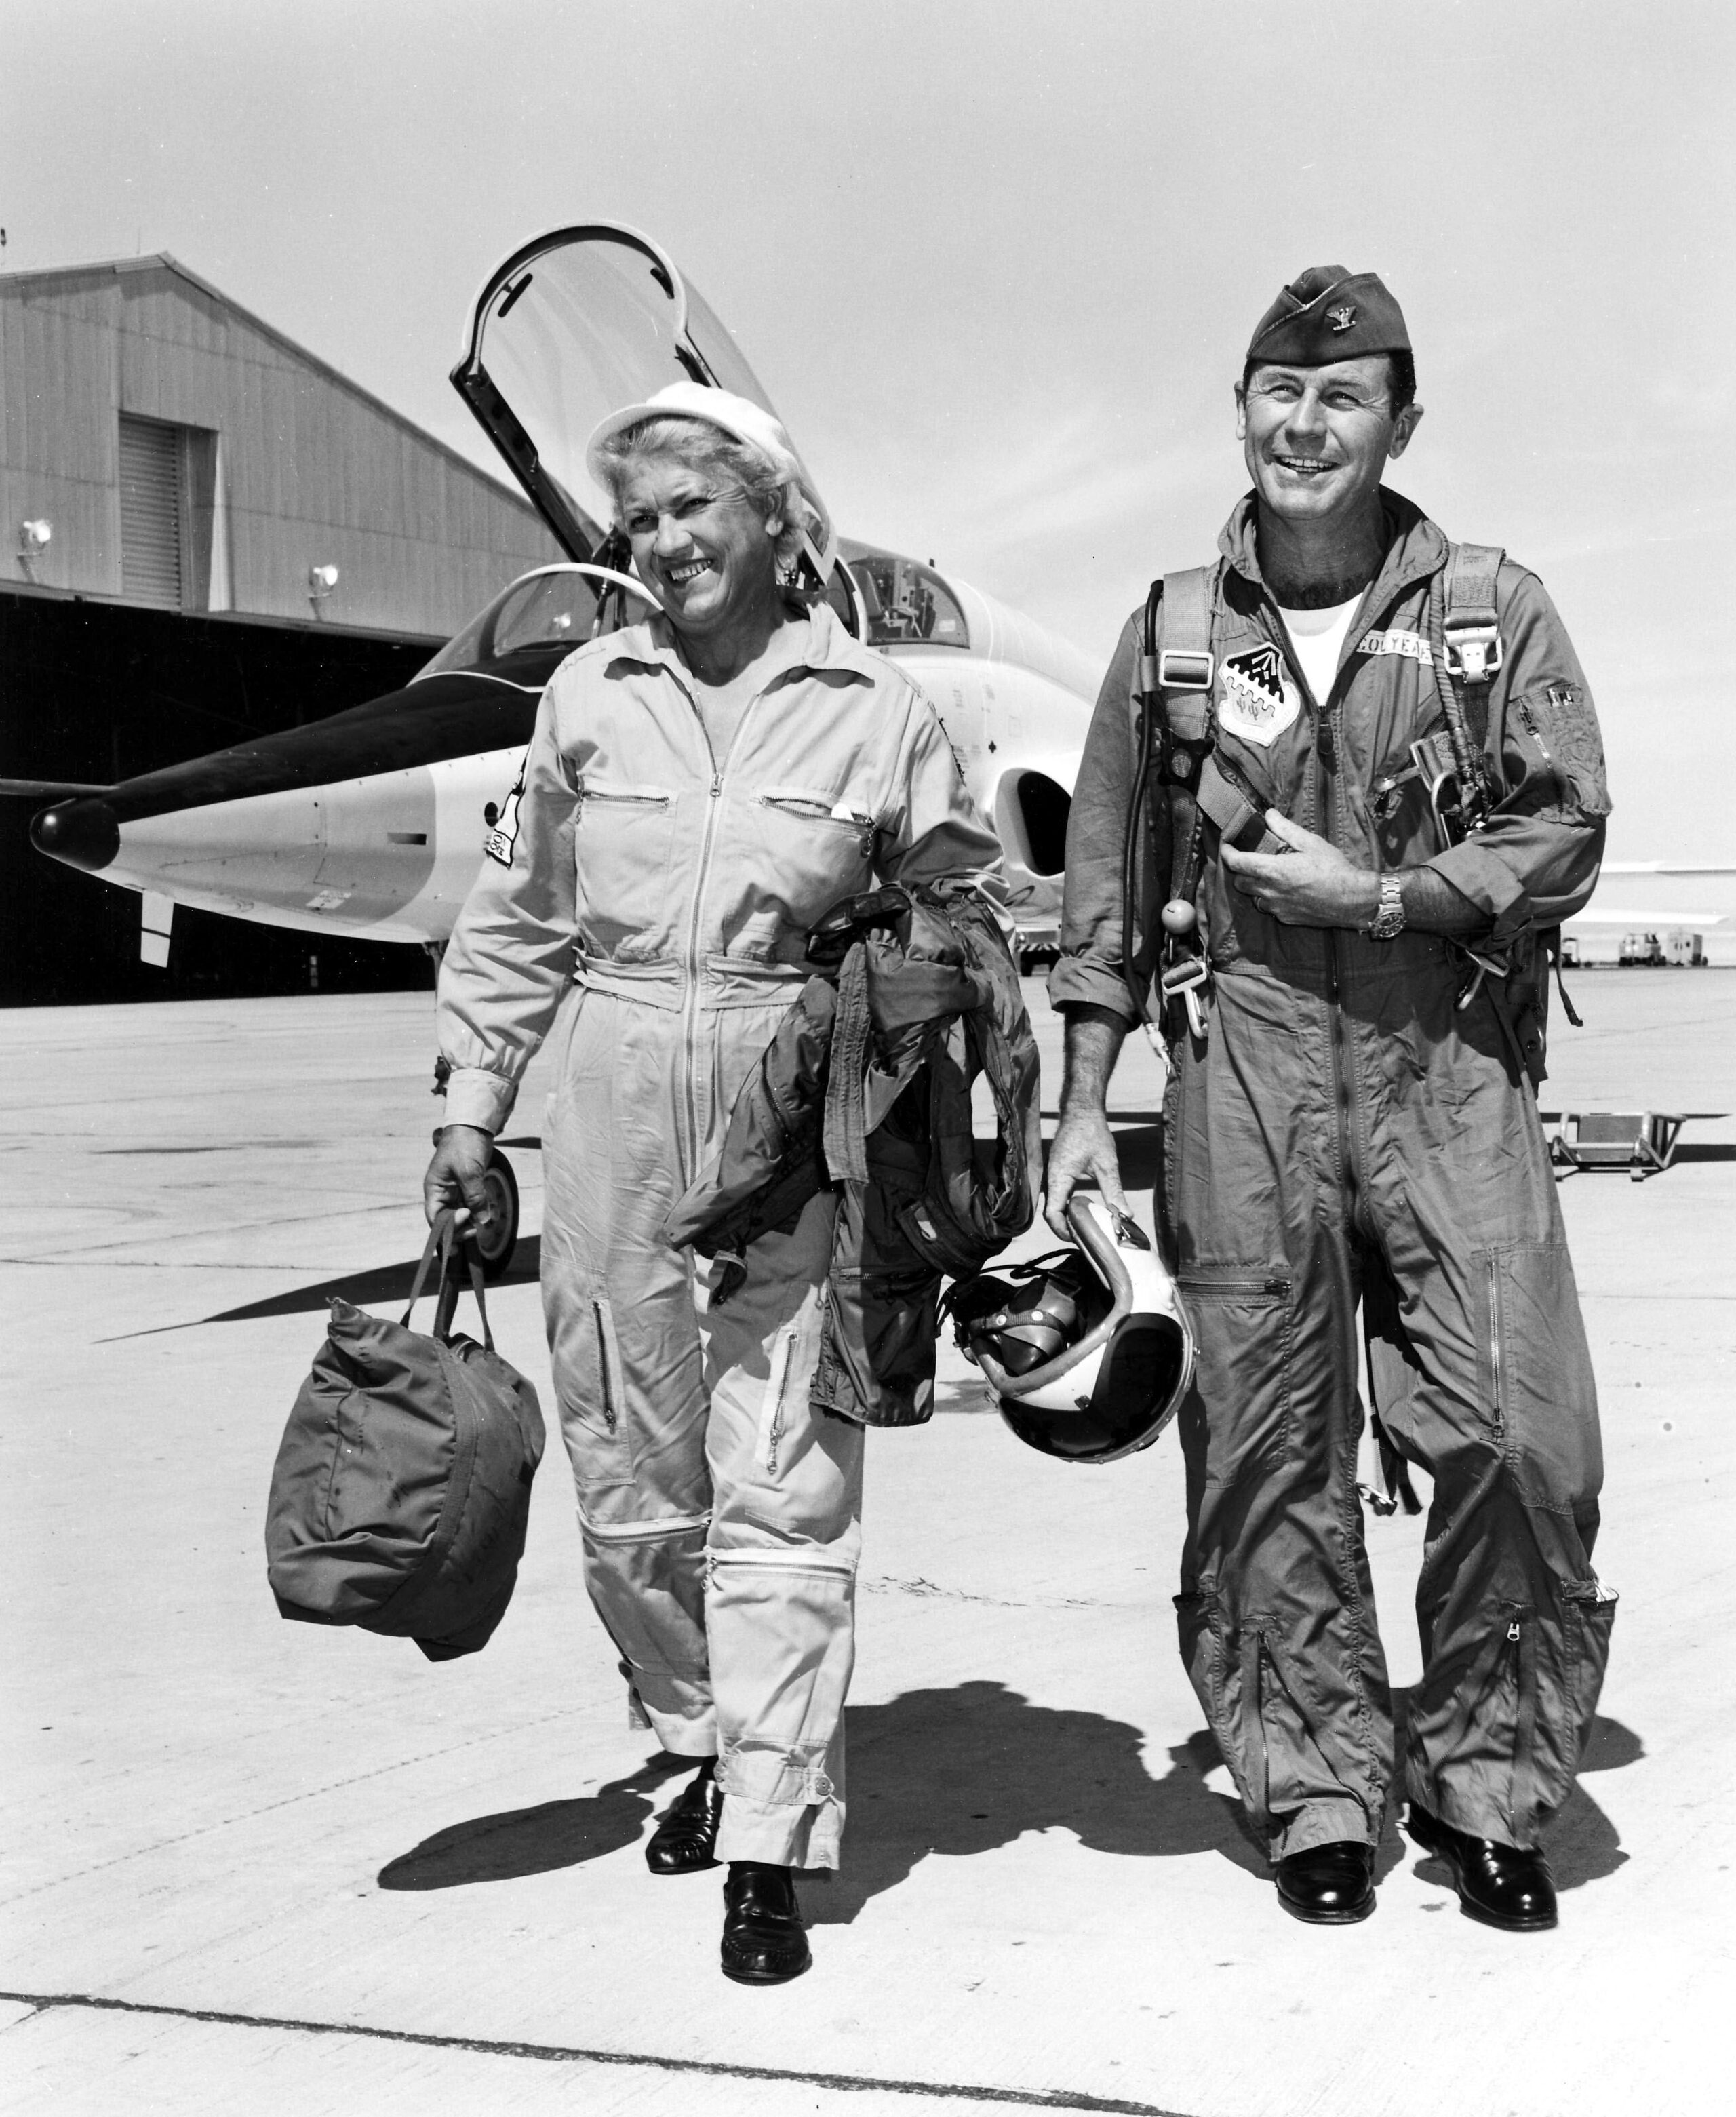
<point x="1256" y="700"/>
<point x="504" y="835"/>
<point x="1410" y="644"/>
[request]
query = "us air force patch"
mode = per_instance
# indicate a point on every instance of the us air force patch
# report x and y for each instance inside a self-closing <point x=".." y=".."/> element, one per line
<point x="1257" y="699"/>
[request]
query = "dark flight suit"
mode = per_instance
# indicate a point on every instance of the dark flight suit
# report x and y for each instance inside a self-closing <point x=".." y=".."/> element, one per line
<point x="1345" y="1134"/>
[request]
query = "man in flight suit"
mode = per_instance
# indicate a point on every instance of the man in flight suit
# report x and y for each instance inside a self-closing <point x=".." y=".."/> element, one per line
<point x="1348" y="1123"/>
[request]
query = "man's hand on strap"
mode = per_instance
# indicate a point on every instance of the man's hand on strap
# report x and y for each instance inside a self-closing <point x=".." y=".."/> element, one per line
<point x="1313" y="884"/>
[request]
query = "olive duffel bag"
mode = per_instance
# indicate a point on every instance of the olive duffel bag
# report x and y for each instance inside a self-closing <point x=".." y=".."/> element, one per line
<point x="401" y="1490"/>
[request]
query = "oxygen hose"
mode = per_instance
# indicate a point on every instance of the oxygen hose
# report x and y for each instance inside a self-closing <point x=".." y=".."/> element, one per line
<point x="1148" y="715"/>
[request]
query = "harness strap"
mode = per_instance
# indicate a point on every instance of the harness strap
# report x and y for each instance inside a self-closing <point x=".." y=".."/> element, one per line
<point x="1472" y="631"/>
<point x="1462" y="607"/>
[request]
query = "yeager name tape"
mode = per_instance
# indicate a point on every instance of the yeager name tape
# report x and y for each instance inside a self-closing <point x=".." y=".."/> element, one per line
<point x="1410" y="644"/>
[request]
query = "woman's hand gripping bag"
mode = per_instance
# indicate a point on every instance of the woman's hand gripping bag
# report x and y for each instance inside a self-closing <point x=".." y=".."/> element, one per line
<point x="401" y="1490"/>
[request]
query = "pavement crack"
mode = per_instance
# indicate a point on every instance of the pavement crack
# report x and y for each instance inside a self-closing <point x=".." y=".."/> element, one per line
<point x="1027" y="2098"/>
<point x="920" y="1586"/>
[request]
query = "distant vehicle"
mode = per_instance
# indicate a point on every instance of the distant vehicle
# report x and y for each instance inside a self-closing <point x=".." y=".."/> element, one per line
<point x="1669" y="908"/>
<point x="1642" y="948"/>
<point x="1679" y="949"/>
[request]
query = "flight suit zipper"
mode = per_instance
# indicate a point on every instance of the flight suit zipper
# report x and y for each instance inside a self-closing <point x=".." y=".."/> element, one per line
<point x="1326" y="746"/>
<point x="691" y="1001"/>
<point x="1497" y="1378"/>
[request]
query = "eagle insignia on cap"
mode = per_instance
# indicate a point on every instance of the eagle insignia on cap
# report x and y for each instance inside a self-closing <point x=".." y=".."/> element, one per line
<point x="1342" y="317"/>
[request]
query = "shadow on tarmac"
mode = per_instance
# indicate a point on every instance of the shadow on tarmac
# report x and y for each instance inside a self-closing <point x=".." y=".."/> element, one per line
<point x="920" y="1765"/>
<point x="971" y="1768"/>
<point x="535" y="1841"/>
<point x="1582" y="1843"/>
<point x="384" y="1285"/>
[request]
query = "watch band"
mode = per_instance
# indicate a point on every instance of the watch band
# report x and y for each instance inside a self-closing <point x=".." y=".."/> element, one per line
<point x="1389" y="918"/>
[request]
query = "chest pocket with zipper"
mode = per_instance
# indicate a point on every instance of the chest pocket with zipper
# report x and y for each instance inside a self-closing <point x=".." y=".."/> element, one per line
<point x="814" y="848"/>
<point x="623" y="848"/>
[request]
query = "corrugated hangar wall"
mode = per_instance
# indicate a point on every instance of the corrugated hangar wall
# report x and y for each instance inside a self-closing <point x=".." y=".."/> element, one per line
<point x="277" y="463"/>
<point x="192" y="465"/>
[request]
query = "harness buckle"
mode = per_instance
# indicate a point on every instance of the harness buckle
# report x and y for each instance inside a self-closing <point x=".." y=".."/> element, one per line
<point x="1472" y="652"/>
<point x="1186" y="669"/>
<point x="1185" y="980"/>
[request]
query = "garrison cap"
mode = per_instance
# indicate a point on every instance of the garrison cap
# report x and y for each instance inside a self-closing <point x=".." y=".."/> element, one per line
<point x="1329" y="313"/>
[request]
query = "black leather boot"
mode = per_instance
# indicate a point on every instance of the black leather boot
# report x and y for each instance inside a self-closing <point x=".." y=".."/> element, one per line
<point x="765" y="1941"/>
<point x="1329" y="1884"/>
<point x="685" y="1838"/>
<point x="1504" y="1885"/>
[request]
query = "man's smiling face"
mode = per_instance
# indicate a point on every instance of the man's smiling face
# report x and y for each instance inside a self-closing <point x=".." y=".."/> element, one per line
<point x="1316" y="440"/>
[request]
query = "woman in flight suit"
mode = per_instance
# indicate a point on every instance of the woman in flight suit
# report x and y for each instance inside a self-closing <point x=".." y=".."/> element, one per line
<point x="699" y="789"/>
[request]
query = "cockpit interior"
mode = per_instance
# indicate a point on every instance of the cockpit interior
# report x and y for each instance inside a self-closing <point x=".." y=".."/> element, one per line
<point x="906" y="604"/>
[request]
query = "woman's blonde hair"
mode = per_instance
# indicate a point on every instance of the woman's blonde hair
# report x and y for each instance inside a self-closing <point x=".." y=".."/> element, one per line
<point x="770" y="488"/>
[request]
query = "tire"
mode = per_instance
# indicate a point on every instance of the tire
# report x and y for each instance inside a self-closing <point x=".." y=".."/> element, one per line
<point x="496" y="1243"/>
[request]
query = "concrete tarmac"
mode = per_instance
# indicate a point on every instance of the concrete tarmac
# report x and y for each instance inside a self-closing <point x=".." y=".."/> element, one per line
<point x="250" y="1866"/>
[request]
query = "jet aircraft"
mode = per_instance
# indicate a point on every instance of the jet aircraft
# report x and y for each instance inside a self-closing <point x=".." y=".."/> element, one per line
<point x="371" y="823"/>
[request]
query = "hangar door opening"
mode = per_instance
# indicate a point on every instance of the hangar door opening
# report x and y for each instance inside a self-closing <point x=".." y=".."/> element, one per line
<point x="151" y="479"/>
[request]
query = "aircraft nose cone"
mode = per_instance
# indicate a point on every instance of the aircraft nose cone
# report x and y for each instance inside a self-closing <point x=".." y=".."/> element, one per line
<point x="82" y="834"/>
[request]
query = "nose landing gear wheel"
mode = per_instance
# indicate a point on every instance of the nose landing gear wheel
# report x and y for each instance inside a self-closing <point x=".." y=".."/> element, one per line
<point x="497" y="1240"/>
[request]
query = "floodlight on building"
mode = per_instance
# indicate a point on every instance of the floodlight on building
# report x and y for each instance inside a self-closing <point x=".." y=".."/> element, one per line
<point x="33" y="539"/>
<point x="321" y="580"/>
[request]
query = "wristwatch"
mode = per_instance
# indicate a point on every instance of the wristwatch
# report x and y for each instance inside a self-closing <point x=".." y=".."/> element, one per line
<point x="1388" y="921"/>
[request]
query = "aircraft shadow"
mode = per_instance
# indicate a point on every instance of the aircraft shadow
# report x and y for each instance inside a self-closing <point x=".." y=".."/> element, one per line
<point x="535" y="1841"/>
<point x="382" y="1285"/>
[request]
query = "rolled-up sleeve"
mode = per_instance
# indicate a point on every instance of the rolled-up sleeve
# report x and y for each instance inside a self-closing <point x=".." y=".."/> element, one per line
<point x="512" y="953"/>
<point x="934" y="833"/>
<point x="1536" y="861"/>
<point x="1089" y="972"/>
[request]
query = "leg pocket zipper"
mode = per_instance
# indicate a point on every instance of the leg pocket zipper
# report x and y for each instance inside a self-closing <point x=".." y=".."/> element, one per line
<point x="771" y="1409"/>
<point x="608" y="1363"/>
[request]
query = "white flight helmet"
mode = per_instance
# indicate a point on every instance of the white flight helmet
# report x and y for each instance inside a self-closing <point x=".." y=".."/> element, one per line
<point x="1088" y="1350"/>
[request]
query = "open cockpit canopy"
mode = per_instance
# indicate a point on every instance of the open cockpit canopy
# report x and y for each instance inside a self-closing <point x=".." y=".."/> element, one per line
<point x="577" y="323"/>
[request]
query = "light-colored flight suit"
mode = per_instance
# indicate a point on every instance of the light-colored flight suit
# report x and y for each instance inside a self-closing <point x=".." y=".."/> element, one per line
<point x="1347" y="1133"/>
<point x="720" y="1515"/>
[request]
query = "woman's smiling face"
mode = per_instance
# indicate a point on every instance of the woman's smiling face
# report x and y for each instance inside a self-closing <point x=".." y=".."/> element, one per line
<point x="697" y="543"/>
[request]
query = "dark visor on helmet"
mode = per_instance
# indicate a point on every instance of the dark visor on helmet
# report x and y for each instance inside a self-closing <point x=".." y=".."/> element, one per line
<point x="1134" y="1399"/>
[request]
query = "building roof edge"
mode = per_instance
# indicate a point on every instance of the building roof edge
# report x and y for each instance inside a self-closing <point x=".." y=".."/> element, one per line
<point x="165" y="260"/>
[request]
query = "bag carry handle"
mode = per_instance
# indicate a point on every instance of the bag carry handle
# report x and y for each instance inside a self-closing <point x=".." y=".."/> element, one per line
<point x="443" y="1235"/>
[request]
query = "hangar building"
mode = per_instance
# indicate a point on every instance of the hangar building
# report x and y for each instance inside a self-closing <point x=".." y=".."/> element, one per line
<point x="206" y="531"/>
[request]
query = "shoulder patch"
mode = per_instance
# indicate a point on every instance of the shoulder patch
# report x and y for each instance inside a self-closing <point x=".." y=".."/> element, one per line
<point x="503" y="838"/>
<point x="1256" y="698"/>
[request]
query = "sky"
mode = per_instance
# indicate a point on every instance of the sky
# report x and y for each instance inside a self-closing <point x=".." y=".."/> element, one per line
<point x="997" y="264"/>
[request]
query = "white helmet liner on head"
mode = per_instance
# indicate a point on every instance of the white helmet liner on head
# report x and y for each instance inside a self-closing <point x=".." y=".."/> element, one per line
<point x="745" y="421"/>
<point x="1123" y="1350"/>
